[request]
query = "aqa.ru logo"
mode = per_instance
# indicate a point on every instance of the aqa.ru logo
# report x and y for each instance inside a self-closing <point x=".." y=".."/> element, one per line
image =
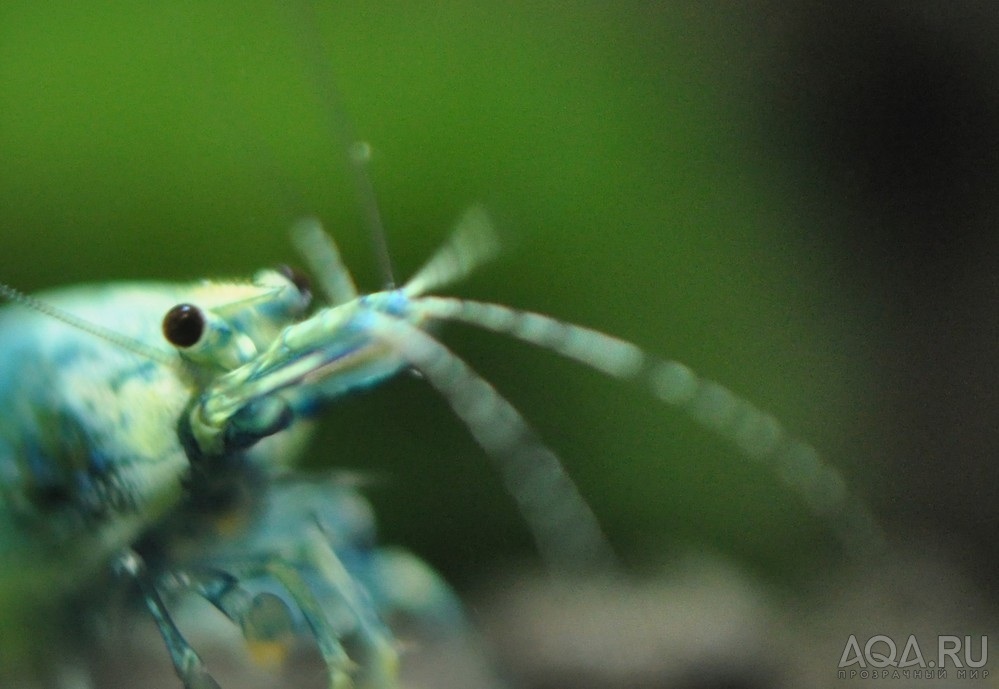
<point x="881" y="652"/>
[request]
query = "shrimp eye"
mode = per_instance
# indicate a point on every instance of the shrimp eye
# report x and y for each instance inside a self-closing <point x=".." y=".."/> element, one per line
<point x="183" y="325"/>
<point x="297" y="278"/>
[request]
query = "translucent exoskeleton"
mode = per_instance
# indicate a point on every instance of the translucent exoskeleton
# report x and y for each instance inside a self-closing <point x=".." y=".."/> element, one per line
<point x="149" y="431"/>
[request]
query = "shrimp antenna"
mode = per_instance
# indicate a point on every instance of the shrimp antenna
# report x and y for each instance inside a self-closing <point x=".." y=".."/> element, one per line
<point x="564" y="527"/>
<point x="321" y="253"/>
<point x="115" y="338"/>
<point x="341" y="126"/>
<point x="472" y="242"/>
<point x="754" y="432"/>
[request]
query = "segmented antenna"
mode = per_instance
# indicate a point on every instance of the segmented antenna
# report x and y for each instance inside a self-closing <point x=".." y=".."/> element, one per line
<point x="756" y="433"/>
<point x="124" y="342"/>
<point x="567" y="532"/>
<point x="472" y="243"/>
<point x="325" y="262"/>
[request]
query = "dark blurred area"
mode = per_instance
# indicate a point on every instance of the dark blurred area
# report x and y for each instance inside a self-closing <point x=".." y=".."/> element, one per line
<point x="886" y="115"/>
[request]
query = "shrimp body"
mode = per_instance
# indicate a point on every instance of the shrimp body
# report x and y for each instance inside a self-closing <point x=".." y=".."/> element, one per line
<point x="150" y="430"/>
<point x="89" y="448"/>
<point x="99" y="473"/>
<point x="88" y="445"/>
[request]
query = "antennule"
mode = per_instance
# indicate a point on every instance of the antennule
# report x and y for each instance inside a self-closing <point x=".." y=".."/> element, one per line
<point x="320" y="251"/>
<point x="472" y="243"/>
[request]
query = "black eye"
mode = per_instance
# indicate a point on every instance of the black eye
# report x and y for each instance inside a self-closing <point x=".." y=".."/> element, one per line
<point x="183" y="325"/>
<point x="297" y="278"/>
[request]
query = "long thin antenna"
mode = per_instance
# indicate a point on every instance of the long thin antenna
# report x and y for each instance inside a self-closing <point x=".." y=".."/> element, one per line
<point x="115" y="338"/>
<point x="341" y="126"/>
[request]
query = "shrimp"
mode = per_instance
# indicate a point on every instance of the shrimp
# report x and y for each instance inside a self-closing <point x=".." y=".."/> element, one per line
<point x="172" y="466"/>
<point x="151" y="434"/>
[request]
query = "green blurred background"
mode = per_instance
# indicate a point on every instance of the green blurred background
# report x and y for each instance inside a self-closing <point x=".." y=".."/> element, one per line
<point x="624" y="150"/>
